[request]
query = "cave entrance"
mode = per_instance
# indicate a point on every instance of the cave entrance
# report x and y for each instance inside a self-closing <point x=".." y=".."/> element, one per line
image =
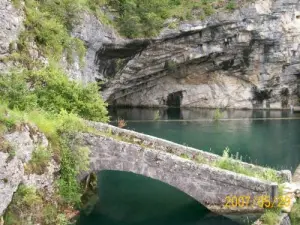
<point x="174" y="99"/>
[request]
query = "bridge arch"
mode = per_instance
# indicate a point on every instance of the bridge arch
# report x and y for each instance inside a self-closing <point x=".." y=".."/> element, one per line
<point x="206" y="184"/>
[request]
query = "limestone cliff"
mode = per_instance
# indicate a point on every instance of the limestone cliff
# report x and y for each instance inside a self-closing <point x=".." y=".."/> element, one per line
<point x="16" y="150"/>
<point x="245" y="59"/>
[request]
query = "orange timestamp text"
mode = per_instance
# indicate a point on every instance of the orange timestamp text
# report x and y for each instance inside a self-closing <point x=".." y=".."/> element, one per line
<point x="262" y="201"/>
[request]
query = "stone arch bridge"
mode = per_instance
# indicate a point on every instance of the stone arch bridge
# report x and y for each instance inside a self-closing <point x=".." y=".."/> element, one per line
<point x="187" y="169"/>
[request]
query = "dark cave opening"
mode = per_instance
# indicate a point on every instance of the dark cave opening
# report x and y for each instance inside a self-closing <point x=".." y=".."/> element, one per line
<point x="174" y="99"/>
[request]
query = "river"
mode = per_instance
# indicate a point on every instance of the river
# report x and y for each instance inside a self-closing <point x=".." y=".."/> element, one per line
<point x="268" y="138"/>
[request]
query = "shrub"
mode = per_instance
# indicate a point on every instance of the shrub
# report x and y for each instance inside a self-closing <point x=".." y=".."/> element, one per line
<point x="50" y="89"/>
<point x="217" y="115"/>
<point x="39" y="161"/>
<point x="231" y="5"/>
<point x="47" y="25"/>
<point x="295" y="213"/>
<point x="271" y="217"/>
<point x="25" y="202"/>
<point x="156" y="115"/>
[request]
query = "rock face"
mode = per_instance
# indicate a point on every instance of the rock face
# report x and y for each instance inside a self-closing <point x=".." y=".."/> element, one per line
<point x="245" y="59"/>
<point x="11" y="23"/>
<point x="12" y="172"/>
<point x="95" y="35"/>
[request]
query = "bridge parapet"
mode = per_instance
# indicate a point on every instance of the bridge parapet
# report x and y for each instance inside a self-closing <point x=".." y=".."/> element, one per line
<point x="177" y="149"/>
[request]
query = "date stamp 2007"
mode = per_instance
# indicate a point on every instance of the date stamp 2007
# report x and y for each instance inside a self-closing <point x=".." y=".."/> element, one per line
<point x="262" y="201"/>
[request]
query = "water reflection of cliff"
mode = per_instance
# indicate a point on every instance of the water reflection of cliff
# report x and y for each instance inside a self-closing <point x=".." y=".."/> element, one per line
<point x="195" y="114"/>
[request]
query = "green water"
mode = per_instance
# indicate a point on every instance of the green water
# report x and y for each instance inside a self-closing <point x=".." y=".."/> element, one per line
<point x="263" y="137"/>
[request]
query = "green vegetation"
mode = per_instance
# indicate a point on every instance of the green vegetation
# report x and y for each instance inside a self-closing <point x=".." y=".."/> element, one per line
<point x="217" y="115"/>
<point x="271" y="217"/>
<point x="184" y="156"/>
<point x="47" y="26"/>
<point x="156" y="115"/>
<point x="29" y="203"/>
<point x="60" y="130"/>
<point x="39" y="161"/>
<point x="231" y="164"/>
<point x="231" y="5"/>
<point x="46" y="101"/>
<point x="49" y="89"/>
<point x="295" y="213"/>
<point x="143" y="18"/>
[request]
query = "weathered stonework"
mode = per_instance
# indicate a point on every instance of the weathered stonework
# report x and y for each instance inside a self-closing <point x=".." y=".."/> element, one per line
<point x="176" y="149"/>
<point x="207" y="184"/>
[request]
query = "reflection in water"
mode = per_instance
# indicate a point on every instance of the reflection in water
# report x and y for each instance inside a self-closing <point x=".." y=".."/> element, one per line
<point x="195" y="113"/>
<point x="130" y="199"/>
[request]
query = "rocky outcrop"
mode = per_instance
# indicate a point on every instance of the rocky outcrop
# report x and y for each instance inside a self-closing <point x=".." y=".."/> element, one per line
<point x="12" y="163"/>
<point x="11" y="23"/>
<point x="95" y="35"/>
<point x="245" y="59"/>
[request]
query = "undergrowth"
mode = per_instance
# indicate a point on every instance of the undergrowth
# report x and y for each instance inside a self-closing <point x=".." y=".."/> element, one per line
<point x="30" y="206"/>
<point x="295" y="213"/>
<point x="271" y="217"/>
<point x="229" y="163"/>
<point x="143" y="18"/>
<point x="57" y="107"/>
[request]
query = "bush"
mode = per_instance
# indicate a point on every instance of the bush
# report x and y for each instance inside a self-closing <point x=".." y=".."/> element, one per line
<point x="39" y="161"/>
<point x="48" y="24"/>
<point x="295" y="213"/>
<point x="50" y="90"/>
<point x="271" y="217"/>
<point x="217" y="115"/>
<point x="231" y="5"/>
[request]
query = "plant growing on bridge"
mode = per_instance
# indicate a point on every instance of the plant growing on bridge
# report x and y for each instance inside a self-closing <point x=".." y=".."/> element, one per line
<point x="229" y="163"/>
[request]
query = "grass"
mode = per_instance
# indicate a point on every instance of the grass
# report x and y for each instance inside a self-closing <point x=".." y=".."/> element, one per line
<point x="29" y="201"/>
<point x="184" y="156"/>
<point x="231" y="164"/>
<point x="295" y="213"/>
<point x="142" y="18"/>
<point x="39" y="161"/>
<point x="46" y="101"/>
<point x="271" y="217"/>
